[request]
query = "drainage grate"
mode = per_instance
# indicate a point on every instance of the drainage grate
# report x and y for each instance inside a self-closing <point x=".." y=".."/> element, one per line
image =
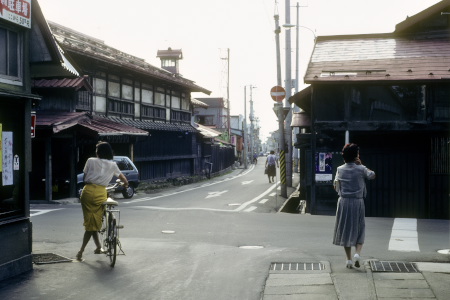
<point x="393" y="266"/>
<point x="296" y="266"/>
<point x="49" y="258"/>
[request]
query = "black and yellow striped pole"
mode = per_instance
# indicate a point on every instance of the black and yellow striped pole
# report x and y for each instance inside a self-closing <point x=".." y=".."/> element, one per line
<point x="283" y="188"/>
<point x="282" y="168"/>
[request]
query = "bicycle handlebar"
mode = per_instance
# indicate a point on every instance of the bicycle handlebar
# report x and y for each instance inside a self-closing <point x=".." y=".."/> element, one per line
<point x="115" y="185"/>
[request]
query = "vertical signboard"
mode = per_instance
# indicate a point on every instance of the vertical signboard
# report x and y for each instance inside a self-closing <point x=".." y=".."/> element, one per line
<point x="33" y="125"/>
<point x="7" y="157"/>
<point x="324" y="167"/>
<point x="16" y="11"/>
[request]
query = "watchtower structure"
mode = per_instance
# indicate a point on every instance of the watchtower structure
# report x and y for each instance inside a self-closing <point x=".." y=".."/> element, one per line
<point x="170" y="59"/>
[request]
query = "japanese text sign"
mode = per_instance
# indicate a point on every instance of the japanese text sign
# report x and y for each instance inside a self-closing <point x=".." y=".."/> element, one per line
<point x="16" y="11"/>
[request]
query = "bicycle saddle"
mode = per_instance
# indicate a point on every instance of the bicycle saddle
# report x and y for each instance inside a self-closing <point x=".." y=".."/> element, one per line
<point x="111" y="202"/>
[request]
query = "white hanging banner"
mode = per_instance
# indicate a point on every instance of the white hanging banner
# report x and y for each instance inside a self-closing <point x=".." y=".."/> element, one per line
<point x="7" y="158"/>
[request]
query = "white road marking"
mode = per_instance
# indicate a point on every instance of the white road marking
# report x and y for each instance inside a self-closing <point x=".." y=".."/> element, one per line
<point x="247" y="182"/>
<point x="244" y="205"/>
<point x="263" y="201"/>
<point x="191" y="189"/>
<point x="37" y="212"/>
<point x="272" y="194"/>
<point x="184" y="208"/>
<point x="215" y="194"/>
<point x="251" y="208"/>
<point x="404" y="236"/>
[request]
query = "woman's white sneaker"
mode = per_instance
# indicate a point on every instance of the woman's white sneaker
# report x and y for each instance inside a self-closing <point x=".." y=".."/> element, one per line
<point x="357" y="258"/>
<point x="349" y="264"/>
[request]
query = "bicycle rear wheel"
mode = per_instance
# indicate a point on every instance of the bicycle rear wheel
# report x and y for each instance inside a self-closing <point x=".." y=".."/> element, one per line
<point x="112" y="241"/>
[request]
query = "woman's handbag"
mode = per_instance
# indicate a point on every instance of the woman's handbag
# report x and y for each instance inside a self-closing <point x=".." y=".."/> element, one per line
<point x="265" y="171"/>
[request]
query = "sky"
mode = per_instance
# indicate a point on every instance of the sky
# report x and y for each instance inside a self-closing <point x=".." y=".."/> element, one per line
<point x="206" y="30"/>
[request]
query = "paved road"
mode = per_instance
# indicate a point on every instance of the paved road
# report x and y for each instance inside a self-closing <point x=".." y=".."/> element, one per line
<point x="213" y="250"/>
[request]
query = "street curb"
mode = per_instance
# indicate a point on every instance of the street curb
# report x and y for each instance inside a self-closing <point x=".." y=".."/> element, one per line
<point x="294" y="195"/>
<point x="372" y="293"/>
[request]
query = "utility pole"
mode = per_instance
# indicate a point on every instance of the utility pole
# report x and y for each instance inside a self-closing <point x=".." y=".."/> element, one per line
<point x="278" y="108"/>
<point x="252" y="133"/>
<point x="288" y="88"/>
<point x="296" y="152"/>
<point x="245" y="127"/>
<point x="228" y="96"/>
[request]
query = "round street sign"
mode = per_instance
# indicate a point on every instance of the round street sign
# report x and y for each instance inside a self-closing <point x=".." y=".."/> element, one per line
<point x="277" y="93"/>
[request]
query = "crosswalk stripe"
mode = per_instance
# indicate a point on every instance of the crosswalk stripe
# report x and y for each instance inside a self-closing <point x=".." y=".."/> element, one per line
<point x="404" y="236"/>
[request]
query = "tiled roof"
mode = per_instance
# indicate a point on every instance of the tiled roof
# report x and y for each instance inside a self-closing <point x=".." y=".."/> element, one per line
<point x="59" y="121"/>
<point x="73" y="41"/>
<point x="73" y="83"/>
<point x="418" y="50"/>
<point x="213" y="101"/>
<point x="105" y="127"/>
<point x="152" y="125"/>
<point x="174" y="53"/>
<point x="378" y="58"/>
<point x="198" y="103"/>
<point x="208" y="132"/>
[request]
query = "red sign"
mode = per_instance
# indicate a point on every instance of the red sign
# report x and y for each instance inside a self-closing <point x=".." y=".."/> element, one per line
<point x="16" y="11"/>
<point x="33" y="125"/>
<point x="277" y="93"/>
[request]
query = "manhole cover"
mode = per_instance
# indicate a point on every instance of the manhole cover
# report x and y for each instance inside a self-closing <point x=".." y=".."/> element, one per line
<point x="300" y="266"/>
<point x="49" y="258"/>
<point x="393" y="266"/>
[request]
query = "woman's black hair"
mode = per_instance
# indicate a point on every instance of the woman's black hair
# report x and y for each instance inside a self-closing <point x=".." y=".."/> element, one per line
<point x="350" y="152"/>
<point x="104" y="150"/>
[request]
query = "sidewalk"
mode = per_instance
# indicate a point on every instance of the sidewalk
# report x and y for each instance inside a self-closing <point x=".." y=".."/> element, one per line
<point x="322" y="281"/>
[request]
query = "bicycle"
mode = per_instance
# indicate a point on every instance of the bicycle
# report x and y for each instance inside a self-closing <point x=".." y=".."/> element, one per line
<point x="109" y="231"/>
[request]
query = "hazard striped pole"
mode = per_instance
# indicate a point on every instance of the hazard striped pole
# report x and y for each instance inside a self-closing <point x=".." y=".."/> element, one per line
<point x="283" y="187"/>
<point x="282" y="168"/>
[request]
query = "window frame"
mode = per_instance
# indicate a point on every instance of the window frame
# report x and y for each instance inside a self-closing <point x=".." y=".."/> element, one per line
<point x="7" y="78"/>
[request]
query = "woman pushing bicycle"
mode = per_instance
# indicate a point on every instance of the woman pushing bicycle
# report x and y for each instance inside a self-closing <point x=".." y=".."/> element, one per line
<point x="98" y="172"/>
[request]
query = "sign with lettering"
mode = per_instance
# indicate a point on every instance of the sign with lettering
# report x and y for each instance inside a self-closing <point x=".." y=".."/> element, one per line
<point x="16" y="11"/>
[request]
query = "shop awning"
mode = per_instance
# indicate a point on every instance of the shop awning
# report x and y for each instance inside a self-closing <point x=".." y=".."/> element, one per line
<point x="59" y="121"/>
<point x="208" y="132"/>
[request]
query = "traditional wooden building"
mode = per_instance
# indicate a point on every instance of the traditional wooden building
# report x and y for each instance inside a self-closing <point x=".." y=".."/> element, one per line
<point x="145" y="112"/>
<point x="28" y="49"/>
<point x="390" y="94"/>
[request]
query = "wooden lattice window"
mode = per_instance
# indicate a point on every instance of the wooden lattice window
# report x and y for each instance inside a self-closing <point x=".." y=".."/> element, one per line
<point x="440" y="155"/>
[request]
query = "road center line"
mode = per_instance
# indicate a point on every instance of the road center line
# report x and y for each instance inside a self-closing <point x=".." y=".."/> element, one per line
<point x="404" y="235"/>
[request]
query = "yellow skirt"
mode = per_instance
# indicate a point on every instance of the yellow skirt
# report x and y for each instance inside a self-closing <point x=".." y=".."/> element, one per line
<point x="92" y="198"/>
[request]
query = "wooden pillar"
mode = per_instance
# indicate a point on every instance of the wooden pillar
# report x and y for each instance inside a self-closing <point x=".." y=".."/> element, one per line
<point x="313" y="154"/>
<point x="73" y="163"/>
<point x="48" y="169"/>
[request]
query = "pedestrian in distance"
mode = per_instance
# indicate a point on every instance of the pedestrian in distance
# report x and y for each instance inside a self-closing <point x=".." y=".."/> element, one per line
<point x="271" y="162"/>
<point x="98" y="172"/>
<point x="255" y="158"/>
<point x="350" y="184"/>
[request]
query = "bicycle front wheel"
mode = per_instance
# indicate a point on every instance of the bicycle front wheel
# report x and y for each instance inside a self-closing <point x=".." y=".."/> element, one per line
<point x="112" y="245"/>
